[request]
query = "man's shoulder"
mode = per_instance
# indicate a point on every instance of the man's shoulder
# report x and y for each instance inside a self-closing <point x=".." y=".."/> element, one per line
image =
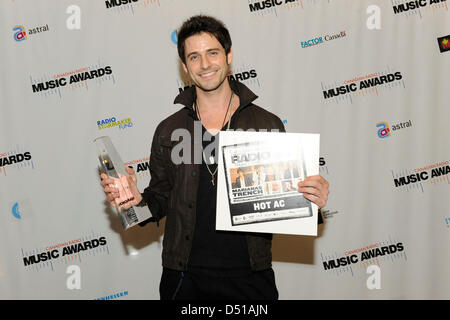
<point x="261" y="117"/>
<point x="175" y="120"/>
<point x="255" y="109"/>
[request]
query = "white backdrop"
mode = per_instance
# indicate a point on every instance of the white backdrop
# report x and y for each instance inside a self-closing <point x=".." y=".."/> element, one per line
<point x="50" y="196"/>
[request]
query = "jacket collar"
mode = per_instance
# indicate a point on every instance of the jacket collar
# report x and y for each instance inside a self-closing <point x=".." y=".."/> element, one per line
<point x="188" y="96"/>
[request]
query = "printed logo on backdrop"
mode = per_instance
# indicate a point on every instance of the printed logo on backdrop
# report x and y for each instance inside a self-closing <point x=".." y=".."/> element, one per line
<point x="64" y="253"/>
<point x="21" y="34"/>
<point x="384" y="131"/>
<point x="245" y="74"/>
<point x="418" y="8"/>
<point x="21" y="209"/>
<point x="15" y="211"/>
<point x="130" y="6"/>
<point x="436" y="174"/>
<point x="354" y="261"/>
<point x="140" y="166"/>
<point x="112" y="122"/>
<point x="71" y="81"/>
<point x="361" y="86"/>
<point x="264" y="7"/>
<point x="174" y="36"/>
<point x="322" y="39"/>
<point x="16" y="160"/>
<point x="327" y="214"/>
<point x="444" y="43"/>
<point x="273" y="7"/>
<point x="323" y="168"/>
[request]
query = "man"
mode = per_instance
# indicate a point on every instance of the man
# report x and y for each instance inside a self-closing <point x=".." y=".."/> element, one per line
<point x="242" y="180"/>
<point x="287" y="186"/>
<point x="198" y="261"/>
<point x="259" y="176"/>
<point x="291" y="171"/>
<point x="272" y="185"/>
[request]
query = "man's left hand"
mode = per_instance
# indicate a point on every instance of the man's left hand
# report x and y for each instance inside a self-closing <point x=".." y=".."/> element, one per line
<point x="315" y="189"/>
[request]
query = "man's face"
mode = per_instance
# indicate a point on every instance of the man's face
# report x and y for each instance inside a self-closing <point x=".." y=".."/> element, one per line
<point x="206" y="61"/>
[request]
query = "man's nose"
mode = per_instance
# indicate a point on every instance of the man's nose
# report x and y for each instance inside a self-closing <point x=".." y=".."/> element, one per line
<point x="205" y="63"/>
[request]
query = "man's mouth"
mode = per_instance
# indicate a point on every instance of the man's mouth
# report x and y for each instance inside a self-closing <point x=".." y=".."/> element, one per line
<point x="207" y="74"/>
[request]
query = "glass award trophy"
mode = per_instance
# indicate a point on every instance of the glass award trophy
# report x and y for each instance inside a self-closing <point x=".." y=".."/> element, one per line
<point x="113" y="166"/>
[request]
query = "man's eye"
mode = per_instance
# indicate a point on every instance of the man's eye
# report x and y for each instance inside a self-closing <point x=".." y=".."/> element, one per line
<point x="193" y="58"/>
<point x="213" y="53"/>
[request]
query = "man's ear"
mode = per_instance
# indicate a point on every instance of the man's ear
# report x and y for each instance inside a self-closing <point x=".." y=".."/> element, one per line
<point x="230" y="56"/>
<point x="184" y="67"/>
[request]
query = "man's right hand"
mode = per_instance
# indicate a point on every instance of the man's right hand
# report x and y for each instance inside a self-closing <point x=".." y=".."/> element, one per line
<point x="113" y="196"/>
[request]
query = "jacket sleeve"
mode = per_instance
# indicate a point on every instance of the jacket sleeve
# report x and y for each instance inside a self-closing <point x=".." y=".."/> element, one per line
<point x="280" y="125"/>
<point x="319" y="216"/>
<point x="157" y="193"/>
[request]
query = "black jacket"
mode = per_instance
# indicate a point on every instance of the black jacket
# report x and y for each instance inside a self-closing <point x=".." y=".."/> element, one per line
<point x="172" y="191"/>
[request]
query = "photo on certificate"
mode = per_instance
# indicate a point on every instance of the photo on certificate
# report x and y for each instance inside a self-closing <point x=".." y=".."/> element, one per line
<point x="261" y="180"/>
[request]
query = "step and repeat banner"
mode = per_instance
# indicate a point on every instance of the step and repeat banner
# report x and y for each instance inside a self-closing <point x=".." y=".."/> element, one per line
<point x="372" y="77"/>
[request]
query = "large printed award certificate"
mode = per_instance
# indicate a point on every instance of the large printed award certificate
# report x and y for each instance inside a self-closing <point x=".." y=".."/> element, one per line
<point x="258" y="173"/>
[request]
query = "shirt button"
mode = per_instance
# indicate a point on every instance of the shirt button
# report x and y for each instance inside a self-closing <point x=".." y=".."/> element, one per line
<point x="187" y="237"/>
<point x="194" y="173"/>
<point x="191" y="205"/>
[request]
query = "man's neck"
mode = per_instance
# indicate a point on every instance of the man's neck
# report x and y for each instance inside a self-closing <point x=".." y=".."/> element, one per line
<point x="216" y="100"/>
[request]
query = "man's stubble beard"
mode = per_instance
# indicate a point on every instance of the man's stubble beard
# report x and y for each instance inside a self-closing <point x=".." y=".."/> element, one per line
<point x="198" y="84"/>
